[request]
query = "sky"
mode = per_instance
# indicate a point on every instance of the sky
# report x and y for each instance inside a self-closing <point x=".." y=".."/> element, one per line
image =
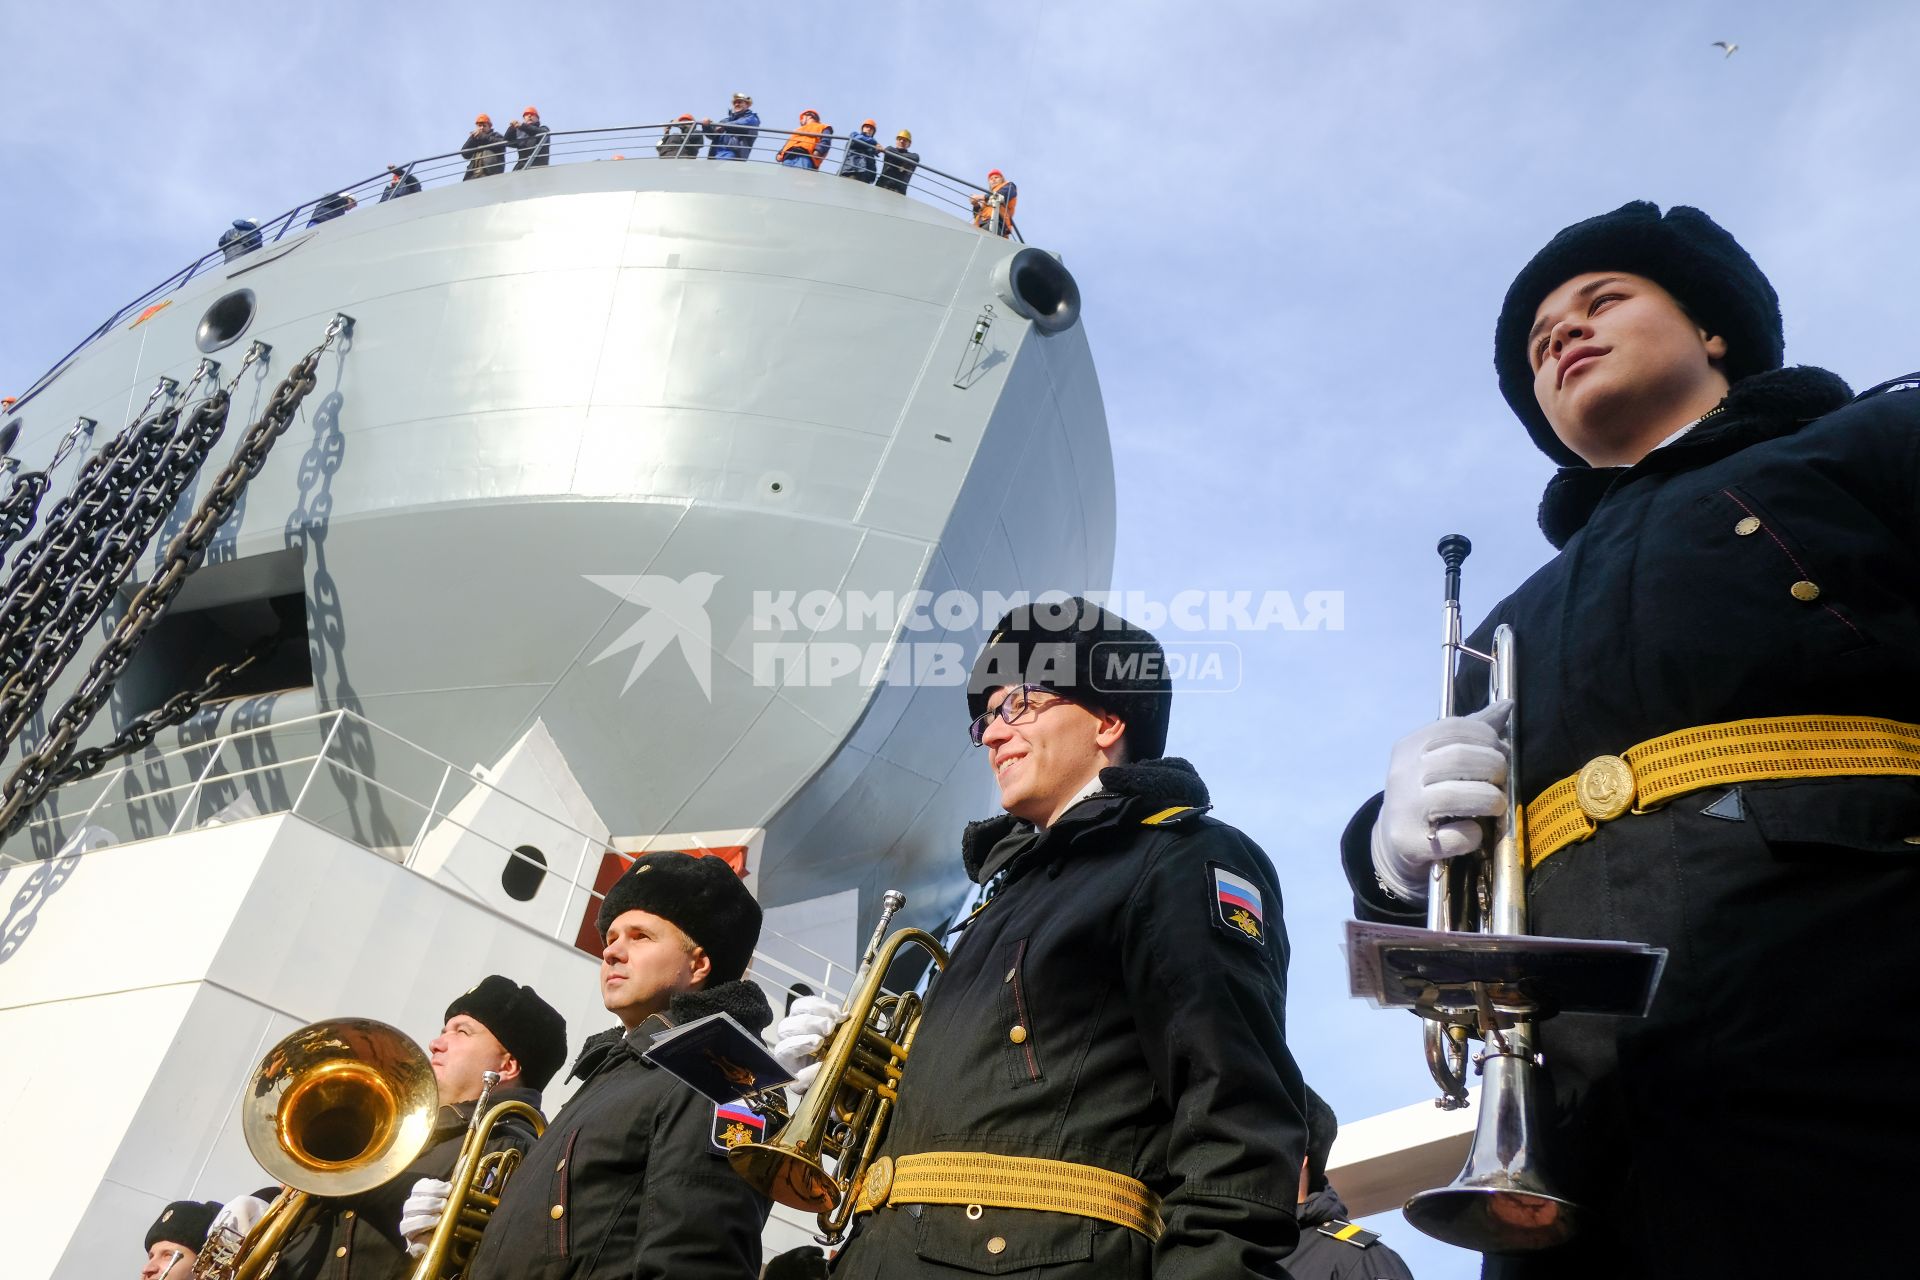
<point x="1292" y="223"/>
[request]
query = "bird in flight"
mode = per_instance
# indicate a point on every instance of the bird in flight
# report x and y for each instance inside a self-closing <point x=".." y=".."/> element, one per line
<point x="1728" y="45"/>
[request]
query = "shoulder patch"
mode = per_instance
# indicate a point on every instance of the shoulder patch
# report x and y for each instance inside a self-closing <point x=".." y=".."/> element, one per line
<point x="1350" y="1232"/>
<point x="735" y="1123"/>
<point x="1236" y="905"/>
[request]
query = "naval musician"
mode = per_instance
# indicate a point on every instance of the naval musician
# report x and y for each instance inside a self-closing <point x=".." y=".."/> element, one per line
<point x="500" y="1026"/>
<point x="1101" y="1084"/>
<point x="1719" y="744"/>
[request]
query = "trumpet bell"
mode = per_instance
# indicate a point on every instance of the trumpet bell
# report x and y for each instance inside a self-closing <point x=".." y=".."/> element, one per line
<point x="340" y="1107"/>
<point x="1501" y="1202"/>
<point x="786" y="1176"/>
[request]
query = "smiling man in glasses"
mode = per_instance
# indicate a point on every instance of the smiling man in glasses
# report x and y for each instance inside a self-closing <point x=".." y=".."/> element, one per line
<point x="1101" y="1085"/>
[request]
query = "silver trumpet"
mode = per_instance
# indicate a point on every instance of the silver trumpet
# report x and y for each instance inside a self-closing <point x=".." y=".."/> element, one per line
<point x="1501" y="1202"/>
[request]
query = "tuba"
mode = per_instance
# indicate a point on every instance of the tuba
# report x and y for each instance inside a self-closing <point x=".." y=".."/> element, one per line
<point x="844" y="1115"/>
<point x="1502" y="1202"/>
<point x="479" y="1178"/>
<point x="336" y="1108"/>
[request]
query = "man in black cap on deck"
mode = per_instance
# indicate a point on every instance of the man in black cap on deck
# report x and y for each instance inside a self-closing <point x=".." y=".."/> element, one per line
<point x="1101" y="1084"/>
<point x="175" y="1238"/>
<point x="628" y="1181"/>
<point x="1719" y="722"/>
<point x="498" y="1026"/>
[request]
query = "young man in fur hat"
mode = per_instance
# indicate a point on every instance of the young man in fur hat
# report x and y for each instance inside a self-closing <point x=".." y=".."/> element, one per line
<point x="1101" y="1085"/>
<point x="498" y="1026"/>
<point x="628" y="1180"/>
<point x="1739" y="565"/>
<point x="175" y="1239"/>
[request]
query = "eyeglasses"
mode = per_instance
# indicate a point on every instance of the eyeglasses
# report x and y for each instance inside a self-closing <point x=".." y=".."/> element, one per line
<point x="1018" y="707"/>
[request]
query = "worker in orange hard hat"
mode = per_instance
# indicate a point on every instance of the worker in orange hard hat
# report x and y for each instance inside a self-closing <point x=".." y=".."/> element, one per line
<point x="682" y="139"/>
<point x="807" y="146"/>
<point x="528" y="138"/>
<point x="485" y="150"/>
<point x="993" y="211"/>
<point x="862" y="161"/>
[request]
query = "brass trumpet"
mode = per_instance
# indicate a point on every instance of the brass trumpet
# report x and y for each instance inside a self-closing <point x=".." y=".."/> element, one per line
<point x="844" y="1115"/>
<point x="336" y="1108"/>
<point x="479" y="1178"/>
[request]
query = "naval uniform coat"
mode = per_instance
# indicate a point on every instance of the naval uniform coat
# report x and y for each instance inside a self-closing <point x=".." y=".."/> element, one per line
<point x="358" y="1237"/>
<point x="1782" y="1041"/>
<point x="1154" y="1045"/>
<point x="627" y="1181"/>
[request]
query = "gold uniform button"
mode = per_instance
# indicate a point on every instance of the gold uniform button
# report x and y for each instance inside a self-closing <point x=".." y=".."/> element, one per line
<point x="1748" y="526"/>
<point x="1018" y="1035"/>
<point x="348" y="1215"/>
<point x="341" y="1252"/>
<point x="997" y="1245"/>
<point x="556" y="1211"/>
<point x="1605" y="788"/>
<point x="562" y="1165"/>
<point x="1804" y="590"/>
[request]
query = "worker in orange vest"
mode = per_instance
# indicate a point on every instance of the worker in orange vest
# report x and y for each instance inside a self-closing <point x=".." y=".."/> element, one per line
<point x="994" y="210"/>
<point x="807" y="146"/>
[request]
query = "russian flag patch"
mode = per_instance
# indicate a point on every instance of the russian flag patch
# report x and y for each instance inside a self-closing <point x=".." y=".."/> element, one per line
<point x="735" y="1123"/>
<point x="1237" y="905"/>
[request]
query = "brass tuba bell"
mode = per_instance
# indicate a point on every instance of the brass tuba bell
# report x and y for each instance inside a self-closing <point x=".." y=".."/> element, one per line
<point x="336" y="1108"/>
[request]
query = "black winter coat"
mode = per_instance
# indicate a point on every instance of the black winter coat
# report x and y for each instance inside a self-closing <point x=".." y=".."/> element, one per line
<point x="486" y="153"/>
<point x="896" y="168"/>
<point x="358" y="1237"/>
<point x="529" y="143"/>
<point x="631" y="1167"/>
<point x="1695" y="1132"/>
<point x="1323" y="1253"/>
<point x="1154" y="1045"/>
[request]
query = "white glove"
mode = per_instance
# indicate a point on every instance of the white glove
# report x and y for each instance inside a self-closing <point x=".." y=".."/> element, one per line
<point x="1441" y="778"/>
<point x="799" y="1036"/>
<point x="238" y="1215"/>
<point x="421" y="1213"/>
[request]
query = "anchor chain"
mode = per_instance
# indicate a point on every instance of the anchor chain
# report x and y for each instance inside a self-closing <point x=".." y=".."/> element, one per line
<point x="34" y="776"/>
<point x="68" y="588"/>
<point x="22" y="504"/>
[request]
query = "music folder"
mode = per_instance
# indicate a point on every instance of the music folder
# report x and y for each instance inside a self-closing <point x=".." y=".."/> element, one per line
<point x="1451" y="975"/>
<point x="718" y="1057"/>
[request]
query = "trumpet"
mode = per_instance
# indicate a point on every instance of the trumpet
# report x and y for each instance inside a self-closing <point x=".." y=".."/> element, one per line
<point x="1502" y="1201"/>
<point x="336" y="1108"/>
<point x="844" y="1115"/>
<point x="479" y="1179"/>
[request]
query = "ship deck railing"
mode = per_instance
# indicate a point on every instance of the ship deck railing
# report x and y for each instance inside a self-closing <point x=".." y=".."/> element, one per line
<point x="623" y="143"/>
<point x="368" y="785"/>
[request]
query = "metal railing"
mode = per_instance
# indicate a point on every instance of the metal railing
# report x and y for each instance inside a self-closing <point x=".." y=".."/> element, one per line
<point x="366" y="784"/>
<point x="622" y="143"/>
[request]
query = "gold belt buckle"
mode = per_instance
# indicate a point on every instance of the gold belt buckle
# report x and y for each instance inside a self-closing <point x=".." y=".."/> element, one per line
<point x="1605" y="788"/>
<point x="875" y="1185"/>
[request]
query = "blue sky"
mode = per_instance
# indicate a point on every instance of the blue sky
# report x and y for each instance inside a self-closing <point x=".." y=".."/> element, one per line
<point x="1292" y="223"/>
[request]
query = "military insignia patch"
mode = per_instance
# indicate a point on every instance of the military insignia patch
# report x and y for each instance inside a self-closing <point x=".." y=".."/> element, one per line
<point x="1237" y="907"/>
<point x="735" y="1123"/>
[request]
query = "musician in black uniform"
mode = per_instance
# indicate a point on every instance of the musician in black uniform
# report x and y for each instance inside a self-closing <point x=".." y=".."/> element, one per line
<point x="499" y="1026"/>
<point x="1110" y="1037"/>
<point x="1738" y="565"/>
<point x="1331" y="1246"/>
<point x="629" y="1180"/>
<point x="175" y="1238"/>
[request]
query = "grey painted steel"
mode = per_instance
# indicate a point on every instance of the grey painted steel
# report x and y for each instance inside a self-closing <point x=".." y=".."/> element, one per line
<point x="645" y="369"/>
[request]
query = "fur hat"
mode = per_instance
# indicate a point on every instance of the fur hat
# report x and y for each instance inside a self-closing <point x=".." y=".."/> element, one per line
<point x="1081" y="651"/>
<point x="1685" y="252"/>
<point x="185" y="1223"/>
<point x="702" y="896"/>
<point x="525" y="1025"/>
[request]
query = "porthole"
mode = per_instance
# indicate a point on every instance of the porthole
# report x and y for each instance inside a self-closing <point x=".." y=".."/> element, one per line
<point x="526" y="869"/>
<point x="225" y="321"/>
